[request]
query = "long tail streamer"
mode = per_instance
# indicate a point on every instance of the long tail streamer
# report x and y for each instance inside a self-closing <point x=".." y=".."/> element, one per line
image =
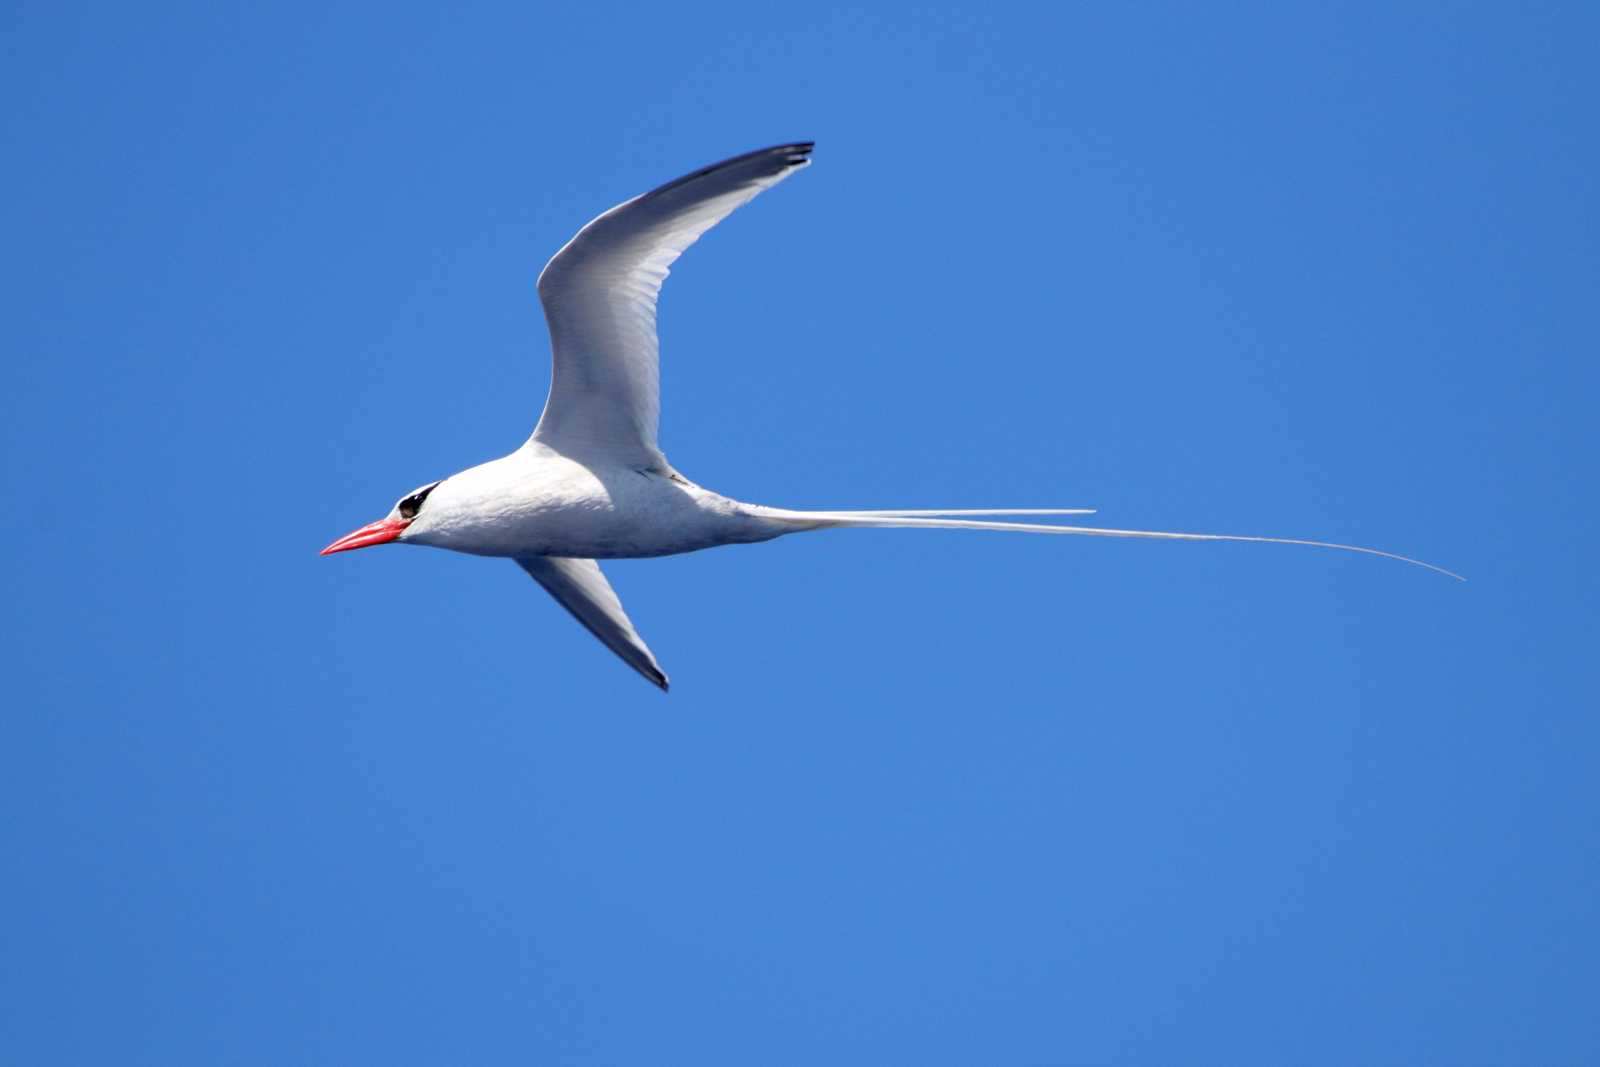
<point x="946" y="520"/>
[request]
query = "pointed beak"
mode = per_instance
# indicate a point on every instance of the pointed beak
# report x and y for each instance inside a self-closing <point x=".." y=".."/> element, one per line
<point x="373" y="533"/>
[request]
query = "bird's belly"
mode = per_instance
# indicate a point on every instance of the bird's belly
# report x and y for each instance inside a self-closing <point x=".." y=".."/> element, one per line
<point x="609" y="533"/>
<point x="615" y="517"/>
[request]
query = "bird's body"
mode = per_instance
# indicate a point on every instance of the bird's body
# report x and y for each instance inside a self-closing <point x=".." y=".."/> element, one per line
<point x="592" y="482"/>
<point x="539" y="502"/>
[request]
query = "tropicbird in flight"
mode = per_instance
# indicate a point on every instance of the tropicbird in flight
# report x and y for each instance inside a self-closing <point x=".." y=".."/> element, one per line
<point x="591" y="483"/>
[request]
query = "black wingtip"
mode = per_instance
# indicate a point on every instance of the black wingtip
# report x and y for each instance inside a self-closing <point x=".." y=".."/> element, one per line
<point x="795" y="154"/>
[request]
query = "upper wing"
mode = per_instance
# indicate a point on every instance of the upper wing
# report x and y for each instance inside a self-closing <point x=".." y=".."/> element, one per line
<point x="580" y="587"/>
<point x="599" y="294"/>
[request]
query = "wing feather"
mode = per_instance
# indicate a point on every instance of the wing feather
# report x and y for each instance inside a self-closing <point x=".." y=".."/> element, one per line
<point x="579" y="586"/>
<point x="599" y="295"/>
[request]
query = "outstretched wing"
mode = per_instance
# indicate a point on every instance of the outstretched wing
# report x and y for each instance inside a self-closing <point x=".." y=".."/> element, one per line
<point x="599" y="294"/>
<point x="580" y="587"/>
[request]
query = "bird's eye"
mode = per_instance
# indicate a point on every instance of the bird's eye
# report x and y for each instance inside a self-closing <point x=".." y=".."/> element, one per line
<point x="412" y="504"/>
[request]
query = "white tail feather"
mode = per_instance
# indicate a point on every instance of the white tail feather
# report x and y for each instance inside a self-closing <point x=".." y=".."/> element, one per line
<point x="823" y="519"/>
<point x="941" y="512"/>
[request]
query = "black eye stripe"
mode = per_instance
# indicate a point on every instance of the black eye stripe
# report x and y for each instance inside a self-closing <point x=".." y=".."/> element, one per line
<point x="412" y="504"/>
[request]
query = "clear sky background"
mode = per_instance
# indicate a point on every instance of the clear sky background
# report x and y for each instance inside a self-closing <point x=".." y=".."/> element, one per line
<point x="1319" y="270"/>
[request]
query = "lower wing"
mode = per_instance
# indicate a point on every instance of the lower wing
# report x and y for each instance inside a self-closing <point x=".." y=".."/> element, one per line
<point x="580" y="587"/>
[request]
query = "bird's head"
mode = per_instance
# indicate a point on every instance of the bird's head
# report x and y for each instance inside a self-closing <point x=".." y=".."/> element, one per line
<point x="391" y="527"/>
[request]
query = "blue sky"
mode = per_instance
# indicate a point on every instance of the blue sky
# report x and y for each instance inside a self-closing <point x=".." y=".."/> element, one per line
<point x="1314" y="270"/>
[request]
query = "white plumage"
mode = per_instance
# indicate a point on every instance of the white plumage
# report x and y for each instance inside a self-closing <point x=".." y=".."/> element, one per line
<point x="592" y="483"/>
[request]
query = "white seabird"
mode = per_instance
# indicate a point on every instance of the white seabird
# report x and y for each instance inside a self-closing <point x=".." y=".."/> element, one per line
<point x="591" y="483"/>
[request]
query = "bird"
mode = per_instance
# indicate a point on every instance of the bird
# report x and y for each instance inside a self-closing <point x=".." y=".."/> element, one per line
<point x="591" y="483"/>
